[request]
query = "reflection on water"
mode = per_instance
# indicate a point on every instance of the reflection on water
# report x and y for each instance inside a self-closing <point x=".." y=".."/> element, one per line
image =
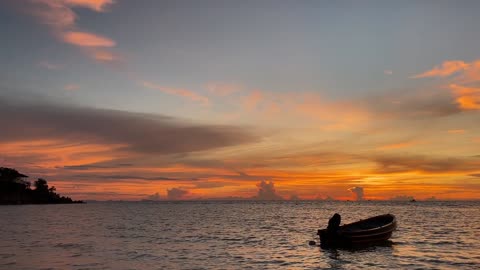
<point x="338" y="257"/>
<point x="239" y="235"/>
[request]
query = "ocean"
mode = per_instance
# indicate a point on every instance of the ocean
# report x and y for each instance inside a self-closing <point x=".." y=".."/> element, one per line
<point x="232" y="235"/>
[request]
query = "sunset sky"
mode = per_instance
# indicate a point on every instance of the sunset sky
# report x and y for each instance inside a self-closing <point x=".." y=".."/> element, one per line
<point x="112" y="99"/>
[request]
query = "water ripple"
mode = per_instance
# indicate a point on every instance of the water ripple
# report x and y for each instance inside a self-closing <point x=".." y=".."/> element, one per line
<point x="232" y="235"/>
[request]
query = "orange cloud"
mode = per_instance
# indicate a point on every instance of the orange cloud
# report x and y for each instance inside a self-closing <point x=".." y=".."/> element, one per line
<point x="53" y="13"/>
<point x="302" y="106"/>
<point x="64" y="164"/>
<point x="471" y="74"/>
<point x="97" y="5"/>
<point x="251" y="101"/>
<point x="52" y="153"/>
<point x="177" y="92"/>
<point x="338" y="115"/>
<point x="468" y="98"/>
<point x="60" y="17"/>
<point x="397" y="145"/>
<point x="85" y="39"/>
<point x="447" y="68"/>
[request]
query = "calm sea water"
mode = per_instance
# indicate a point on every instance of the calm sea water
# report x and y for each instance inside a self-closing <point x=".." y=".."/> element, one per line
<point x="232" y="235"/>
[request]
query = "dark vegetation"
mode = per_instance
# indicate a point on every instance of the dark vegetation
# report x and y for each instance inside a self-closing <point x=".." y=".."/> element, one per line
<point x="15" y="189"/>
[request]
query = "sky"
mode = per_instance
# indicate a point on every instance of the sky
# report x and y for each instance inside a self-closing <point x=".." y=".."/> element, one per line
<point x="186" y="100"/>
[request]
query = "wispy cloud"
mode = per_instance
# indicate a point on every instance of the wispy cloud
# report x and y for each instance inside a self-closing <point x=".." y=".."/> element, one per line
<point x="61" y="19"/>
<point x="387" y="72"/>
<point x="176" y="92"/>
<point x="463" y="72"/>
<point x="97" y="5"/>
<point x="424" y="164"/>
<point x="140" y="133"/>
<point x="467" y="98"/>
<point x="399" y="145"/>
<point x="251" y="101"/>
<point x="471" y="74"/>
<point x="447" y="68"/>
<point x="85" y="39"/>
<point x="56" y="14"/>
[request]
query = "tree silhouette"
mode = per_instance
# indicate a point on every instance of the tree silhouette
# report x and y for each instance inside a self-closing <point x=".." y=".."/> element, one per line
<point x="15" y="189"/>
<point x="41" y="185"/>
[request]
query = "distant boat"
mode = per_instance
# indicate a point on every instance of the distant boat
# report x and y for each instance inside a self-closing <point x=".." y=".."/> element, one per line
<point x="371" y="231"/>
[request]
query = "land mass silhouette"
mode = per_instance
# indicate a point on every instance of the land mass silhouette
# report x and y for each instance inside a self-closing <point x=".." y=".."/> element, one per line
<point x="15" y="189"/>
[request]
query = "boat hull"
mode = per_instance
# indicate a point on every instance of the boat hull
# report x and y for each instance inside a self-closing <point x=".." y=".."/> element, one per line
<point x="358" y="234"/>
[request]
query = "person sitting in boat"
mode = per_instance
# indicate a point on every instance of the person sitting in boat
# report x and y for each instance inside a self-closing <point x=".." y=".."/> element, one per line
<point x="334" y="223"/>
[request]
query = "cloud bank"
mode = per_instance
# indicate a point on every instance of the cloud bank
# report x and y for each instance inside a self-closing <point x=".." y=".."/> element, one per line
<point x="358" y="191"/>
<point x="266" y="191"/>
<point x="176" y="194"/>
<point x="137" y="132"/>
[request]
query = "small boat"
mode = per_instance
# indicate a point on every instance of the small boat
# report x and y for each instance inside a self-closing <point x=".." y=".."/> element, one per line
<point x="367" y="232"/>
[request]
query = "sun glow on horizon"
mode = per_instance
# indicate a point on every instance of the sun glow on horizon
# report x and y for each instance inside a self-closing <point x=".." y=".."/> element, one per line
<point x="291" y="101"/>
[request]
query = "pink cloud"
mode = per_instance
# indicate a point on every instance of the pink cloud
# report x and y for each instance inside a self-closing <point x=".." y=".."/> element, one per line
<point x="61" y="19"/>
<point x="85" y="39"/>
<point x="177" y="92"/>
<point x="399" y="145"/>
<point x="97" y="5"/>
<point x="59" y="14"/>
<point x="53" y="13"/>
<point x="251" y="101"/>
<point x="447" y="68"/>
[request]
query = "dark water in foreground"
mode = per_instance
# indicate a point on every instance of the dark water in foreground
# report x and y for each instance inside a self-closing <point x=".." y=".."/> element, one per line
<point x="239" y="235"/>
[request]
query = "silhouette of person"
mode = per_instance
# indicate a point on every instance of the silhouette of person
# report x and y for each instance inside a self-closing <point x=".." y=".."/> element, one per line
<point x="334" y="223"/>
